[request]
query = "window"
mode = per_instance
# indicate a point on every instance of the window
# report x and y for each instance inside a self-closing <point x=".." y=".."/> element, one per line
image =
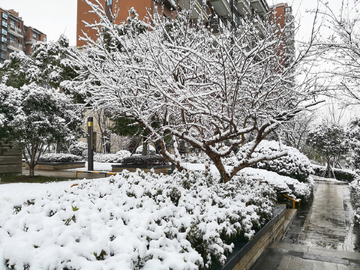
<point x="4" y="15"/>
<point x="109" y="2"/>
<point x="3" y="31"/>
<point x="12" y="23"/>
<point x="34" y="35"/>
<point x="4" y="23"/>
<point x="3" y="55"/>
<point x="3" y="47"/>
<point x="4" y="39"/>
<point x="44" y="39"/>
<point x="287" y="10"/>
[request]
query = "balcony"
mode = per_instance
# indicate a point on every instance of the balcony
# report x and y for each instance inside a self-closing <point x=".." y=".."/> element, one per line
<point x="260" y="27"/>
<point x="260" y="6"/>
<point x="30" y="41"/>
<point x="15" y="31"/>
<point x="197" y="9"/>
<point x="222" y="7"/>
<point x="243" y="7"/>
<point x="15" y="46"/>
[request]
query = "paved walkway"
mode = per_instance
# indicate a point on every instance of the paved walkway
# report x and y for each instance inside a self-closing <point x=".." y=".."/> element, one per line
<point x="325" y="238"/>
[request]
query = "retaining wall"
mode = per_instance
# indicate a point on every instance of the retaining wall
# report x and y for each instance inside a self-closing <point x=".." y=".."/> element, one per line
<point x="244" y="258"/>
<point x="10" y="161"/>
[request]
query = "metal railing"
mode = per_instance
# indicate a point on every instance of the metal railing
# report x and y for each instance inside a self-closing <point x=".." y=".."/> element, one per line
<point x="111" y="173"/>
<point x="293" y="200"/>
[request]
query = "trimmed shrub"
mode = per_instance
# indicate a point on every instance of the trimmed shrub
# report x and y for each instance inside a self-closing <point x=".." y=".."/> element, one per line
<point x="295" y="164"/>
<point x="152" y="160"/>
<point x="60" y="157"/>
<point x="78" y="148"/>
<point x="112" y="158"/>
<point x="355" y="199"/>
<point x="340" y="174"/>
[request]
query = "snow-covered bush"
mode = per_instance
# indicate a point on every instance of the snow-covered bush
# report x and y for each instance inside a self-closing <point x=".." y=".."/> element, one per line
<point x="111" y="158"/>
<point x="354" y="142"/>
<point x="281" y="184"/>
<point x="355" y="199"/>
<point x="295" y="164"/>
<point x="194" y="158"/>
<point x="145" y="160"/>
<point x="78" y="148"/>
<point x="340" y="174"/>
<point x="134" y="221"/>
<point x="59" y="157"/>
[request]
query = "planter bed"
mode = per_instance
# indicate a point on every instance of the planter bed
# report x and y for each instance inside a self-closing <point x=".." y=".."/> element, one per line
<point x="245" y="254"/>
<point x="132" y="168"/>
<point x="55" y="166"/>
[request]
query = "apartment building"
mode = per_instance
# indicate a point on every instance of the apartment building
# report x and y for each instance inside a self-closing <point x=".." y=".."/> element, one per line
<point x="121" y="8"/>
<point x="15" y="35"/>
<point x="282" y="15"/>
<point x="218" y="14"/>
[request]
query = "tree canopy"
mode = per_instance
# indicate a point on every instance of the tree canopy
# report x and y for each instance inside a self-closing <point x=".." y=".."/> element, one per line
<point x="203" y="89"/>
<point x="35" y="117"/>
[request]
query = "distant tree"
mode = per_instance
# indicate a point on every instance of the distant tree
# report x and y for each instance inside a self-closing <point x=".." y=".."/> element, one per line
<point x="203" y="89"/>
<point x="340" y="50"/>
<point x="10" y="101"/>
<point x="36" y="117"/>
<point x="354" y="142"/>
<point x="45" y="66"/>
<point x="329" y="141"/>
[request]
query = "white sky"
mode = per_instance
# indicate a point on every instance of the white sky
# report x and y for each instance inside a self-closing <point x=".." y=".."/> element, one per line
<point x="56" y="17"/>
<point x="52" y="17"/>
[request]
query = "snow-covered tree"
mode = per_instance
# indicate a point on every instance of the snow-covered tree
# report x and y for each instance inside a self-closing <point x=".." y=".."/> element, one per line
<point x="329" y="141"/>
<point x="354" y="142"/>
<point x="178" y="79"/>
<point x="35" y="117"/>
<point x="340" y="49"/>
<point x="44" y="66"/>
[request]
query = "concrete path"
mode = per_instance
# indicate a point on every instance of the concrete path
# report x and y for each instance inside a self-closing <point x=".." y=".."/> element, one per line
<point x="324" y="238"/>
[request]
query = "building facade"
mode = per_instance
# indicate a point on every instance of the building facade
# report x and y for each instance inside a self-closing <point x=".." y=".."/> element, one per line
<point x="15" y="35"/>
<point x="217" y="14"/>
<point x="121" y="9"/>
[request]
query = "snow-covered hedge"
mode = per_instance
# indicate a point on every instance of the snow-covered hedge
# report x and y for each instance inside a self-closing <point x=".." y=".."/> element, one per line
<point x="134" y="221"/>
<point x="340" y="174"/>
<point x="294" y="164"/>
<point x="78" y="148"/>
<point x="194" y="158"/>
<point x="59" y="157"/>
<point x="112" y="158"/>
<point x="145" y="160"/>
<point x="355" y="199"/>
<point x="281" y="184"/>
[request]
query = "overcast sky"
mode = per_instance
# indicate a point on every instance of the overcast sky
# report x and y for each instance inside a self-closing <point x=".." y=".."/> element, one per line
<point x="52" y="17"/>
<point x="56" y="17"/>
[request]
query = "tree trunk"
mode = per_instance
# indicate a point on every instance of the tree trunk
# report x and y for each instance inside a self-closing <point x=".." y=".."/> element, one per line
<point x="144" y="150"/>
<point x="31" y="170"/>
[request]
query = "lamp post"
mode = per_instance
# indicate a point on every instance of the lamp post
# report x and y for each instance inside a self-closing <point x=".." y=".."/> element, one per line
<point x="90" y="144"/>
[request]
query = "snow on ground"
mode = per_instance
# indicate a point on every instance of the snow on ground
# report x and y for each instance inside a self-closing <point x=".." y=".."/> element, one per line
<point x="132" y="220"/>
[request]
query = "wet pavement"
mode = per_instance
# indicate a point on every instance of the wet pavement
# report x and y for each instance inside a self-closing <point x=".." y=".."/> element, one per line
<point x="322" y="236"/>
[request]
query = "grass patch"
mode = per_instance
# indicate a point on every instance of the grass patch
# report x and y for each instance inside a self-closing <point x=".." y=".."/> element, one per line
<point x="20" y="178"/>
